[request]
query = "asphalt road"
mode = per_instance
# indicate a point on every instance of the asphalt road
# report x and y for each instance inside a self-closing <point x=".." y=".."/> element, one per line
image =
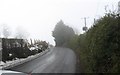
<point x="57" y="60"/>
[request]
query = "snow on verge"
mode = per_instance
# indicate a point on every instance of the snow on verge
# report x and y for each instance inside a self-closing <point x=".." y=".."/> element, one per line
<point x="10" y="64"/>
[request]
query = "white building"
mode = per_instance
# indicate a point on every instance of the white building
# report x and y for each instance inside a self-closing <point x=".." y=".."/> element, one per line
<point x="119" y="7"/>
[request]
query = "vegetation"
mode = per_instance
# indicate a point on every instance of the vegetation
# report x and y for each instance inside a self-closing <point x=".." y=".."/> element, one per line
<point x="98" y="49"/>
<point x="19" y="48"/>
<point x="62" y="34"/>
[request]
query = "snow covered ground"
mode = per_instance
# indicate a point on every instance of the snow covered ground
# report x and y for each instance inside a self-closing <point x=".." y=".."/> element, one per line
<point x="1" y="64"/>
<point x="16" y="62"/>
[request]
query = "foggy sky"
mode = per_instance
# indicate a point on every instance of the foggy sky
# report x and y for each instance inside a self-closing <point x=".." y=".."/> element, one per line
<point x="39" y="17"/>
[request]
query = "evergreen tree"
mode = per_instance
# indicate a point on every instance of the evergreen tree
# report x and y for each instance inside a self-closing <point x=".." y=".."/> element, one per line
<point x="62" y="34"/>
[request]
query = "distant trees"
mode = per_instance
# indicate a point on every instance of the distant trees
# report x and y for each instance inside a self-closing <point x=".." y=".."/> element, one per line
<point x="21" y="33"/>
<point x="62" y="34"/>
<point x="5" y="31"/>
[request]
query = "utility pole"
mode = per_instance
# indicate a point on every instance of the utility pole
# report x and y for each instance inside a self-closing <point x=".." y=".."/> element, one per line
<point x="85" y="21"/>
<point x="94" y="20"/>
<point x="85" y="27"/>
<point x="119" y="7"/>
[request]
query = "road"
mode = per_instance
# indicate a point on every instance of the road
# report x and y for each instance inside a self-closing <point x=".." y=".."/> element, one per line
<point x="57" y="60"/>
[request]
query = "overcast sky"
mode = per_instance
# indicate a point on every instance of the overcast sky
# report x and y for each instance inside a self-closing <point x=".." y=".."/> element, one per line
<point x="39" y="17"/>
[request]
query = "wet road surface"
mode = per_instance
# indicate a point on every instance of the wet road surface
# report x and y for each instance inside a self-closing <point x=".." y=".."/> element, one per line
<point x="57" y="60"/>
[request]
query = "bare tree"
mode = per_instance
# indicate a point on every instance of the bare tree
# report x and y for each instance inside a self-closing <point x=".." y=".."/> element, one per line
<point x="21" y="33"/>
<point x="5" y="31"/>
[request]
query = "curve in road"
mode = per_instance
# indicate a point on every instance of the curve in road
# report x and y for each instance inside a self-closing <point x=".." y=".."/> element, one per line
<point x="57" y="60"/>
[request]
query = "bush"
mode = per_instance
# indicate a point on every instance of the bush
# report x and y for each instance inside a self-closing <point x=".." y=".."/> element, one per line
<point x="100" y="45"/>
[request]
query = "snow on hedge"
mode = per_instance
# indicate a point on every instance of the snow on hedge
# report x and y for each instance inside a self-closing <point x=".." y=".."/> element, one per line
<point x="16" y="62"/>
